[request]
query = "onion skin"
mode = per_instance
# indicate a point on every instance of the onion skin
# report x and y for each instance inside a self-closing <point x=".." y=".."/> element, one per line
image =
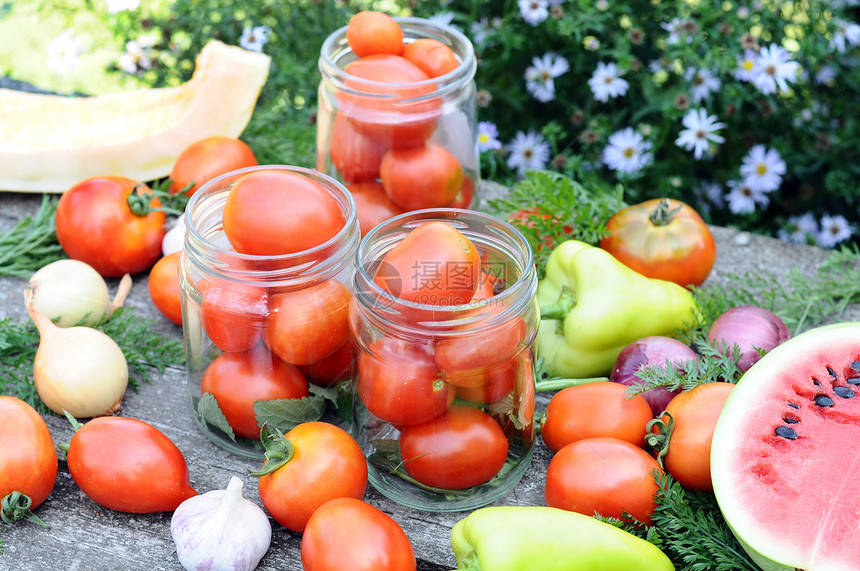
<point x="652" y="351"/>
<point x="750" y="327"/>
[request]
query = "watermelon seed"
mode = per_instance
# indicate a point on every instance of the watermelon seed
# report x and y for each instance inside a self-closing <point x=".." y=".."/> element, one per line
<point x="844" y="392"/>
<point x="790" y="418"/>
<point x="853" y="380"/>
<point x="816" y="382"/>
<point x="856" y="366"/>
<point x="832" y="373"/>
<point x="793" y="405"/>
<point x="786" y="432"/>
<point x="823" y="400"/>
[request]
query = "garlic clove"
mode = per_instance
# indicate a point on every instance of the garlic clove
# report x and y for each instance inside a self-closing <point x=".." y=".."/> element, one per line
<point x="174" y="238"/>
<point x="220" y="530"/>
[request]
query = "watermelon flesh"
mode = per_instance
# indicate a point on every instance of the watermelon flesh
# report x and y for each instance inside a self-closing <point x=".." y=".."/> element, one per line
<point x="785" y="457"/>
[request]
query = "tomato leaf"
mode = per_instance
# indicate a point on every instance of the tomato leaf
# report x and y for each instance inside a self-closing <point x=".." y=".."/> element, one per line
<point x="286" y="414"/>
<point x="210" y="413"/>
<point x="341" y="397"/>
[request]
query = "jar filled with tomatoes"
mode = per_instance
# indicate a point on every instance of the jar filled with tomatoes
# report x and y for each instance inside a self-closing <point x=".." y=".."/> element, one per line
<point x="266" y="276"/>
<point x="444" y="319"/>
<point x="397" y="115"/>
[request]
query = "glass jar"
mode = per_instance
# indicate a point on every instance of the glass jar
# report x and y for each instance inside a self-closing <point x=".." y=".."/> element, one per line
<point x="260" y="328"/>
<point x="426" y="373"/>
<point x="416" y="142"/>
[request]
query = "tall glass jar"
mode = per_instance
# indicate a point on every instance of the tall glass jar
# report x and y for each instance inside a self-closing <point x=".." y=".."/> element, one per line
<point x="414" y="143"/>
<point x="444" y="395"/>
<point x="259" y="328"/>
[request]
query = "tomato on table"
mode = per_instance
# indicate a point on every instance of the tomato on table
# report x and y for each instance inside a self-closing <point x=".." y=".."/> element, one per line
<point x="432" y="56"/>
<point x="238" y="379"/>
<point x="164" y="288"/>
<point x="203" y="160"/>
<point x="96" y="224"/>
<point x="426" y="176"/>
<point x="369" y="32"/>
<point x="348" y="529"/>
<point x="355" y="156"/>
<point x="662" y="238"/>
<point x="326" y="463"/>
<point x="462" y="448"/>
<point x="128" y="465"/>
<point x="530" y="218"/>
<point x="28" y="460"/>
<point x="372" y="205"/>
<point x="271" y="213"/>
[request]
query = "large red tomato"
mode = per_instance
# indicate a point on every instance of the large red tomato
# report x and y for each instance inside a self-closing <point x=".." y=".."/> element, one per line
<point x="237" y="380"/>
<point x="327" y="463"/>
<point x="28" y="460"/>
<point x="95" y="224"/>
<point x="369" y="32"/>
<point x="203" y="160"/>
<point x="662" y="238"/>
<point x="350" y="530"/>
<point x="372" y="205"/>
<point x="603" y="475"/>
<point x="270" y="212"/>
<point x="426" y="176"/>
<point x="128" y="465"/>
<point x="233" y="315"/>
<point x="164" y="289"/>
<point x="462" y="448"/>
<point x="355" y="156"/>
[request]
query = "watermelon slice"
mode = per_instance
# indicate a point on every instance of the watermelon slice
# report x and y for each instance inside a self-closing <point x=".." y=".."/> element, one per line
<point x="785" y="458"/>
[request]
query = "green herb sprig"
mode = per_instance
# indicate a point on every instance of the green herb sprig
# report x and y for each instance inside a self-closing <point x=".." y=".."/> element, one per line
<point x="31" y="243"/>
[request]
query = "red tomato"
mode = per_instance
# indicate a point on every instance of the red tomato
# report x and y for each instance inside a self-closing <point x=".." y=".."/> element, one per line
<point x="28" y="460"/>
<point x="603" y="475"/>
<point x="372" y="205"/>
<point x="269" y="213"/>
<point x="164" y="289"/>
<point x="237" y="380"/>
<point x="595" y="409"/>
<point x="308" y="324"/>
<point x="662" y="238"/>
<point x="355" y="156"/>
<point x="327" y="463"/>
<point x="496" y="387"/>
<point x="462" y="448"/>
<point x="399" y="382"/>
<point x="128" y="465"/>
<point x="96" y="225"/>
<point x="432" y="56"/>
<point x="330" y="370"/>
<point x="370" y="32"/>
<point x="434" y="264"/>
<point x="528" y="218"/>
<point x="427" y="176"/>
<point x="465" y="360"/>
<point x="347" y="529"/>
<point x="695" y="414"/>
<point x="233" y="315"/>
<point x="203" y="160"/>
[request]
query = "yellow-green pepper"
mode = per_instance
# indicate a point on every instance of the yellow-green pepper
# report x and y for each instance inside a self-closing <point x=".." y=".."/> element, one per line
<point x="517" y="538"/>
<point x="592" y="306"/>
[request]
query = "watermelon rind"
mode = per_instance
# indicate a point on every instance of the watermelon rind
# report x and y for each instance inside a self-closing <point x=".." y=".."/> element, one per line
<point x="766" y="542"/>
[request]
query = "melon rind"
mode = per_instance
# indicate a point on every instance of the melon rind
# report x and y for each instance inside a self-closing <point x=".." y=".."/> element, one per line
<point x="48" y="143"/>
<point x="759" y="538"/>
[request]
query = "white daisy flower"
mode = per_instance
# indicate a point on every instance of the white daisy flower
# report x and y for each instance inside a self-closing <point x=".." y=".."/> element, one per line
<point x="701" y="131"/>
<point x="762" y="169"/>
<point x="774" y="70"/>
<point x="135" y="58"/>
<point x="713" y="192"/>
<point x="480" y="31"/>
<point x="834" y="229"/>
<point x="63" y="52"/>
<point x="488" y="137"/>
<point x="677" y="29"/>
<point x="607" y="82"/>
<point x="746" y="65"/>
<point x="534" y="11"/>
<point x="704" y="83"/>
<point x="540" y="75"/>
<point x="825" y="75"/>
<point x="846" y="34"/>
<point x="799" y="229"/>
<point x="627" y="151"/>
<point x="255" y="38"/>
<point x="117" y="6"/>
<point x="528" y="151"/>
<point x="742" y="199"/>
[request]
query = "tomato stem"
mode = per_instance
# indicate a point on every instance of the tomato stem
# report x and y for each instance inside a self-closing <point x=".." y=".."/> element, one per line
<point x="279" y="451"/>
<point x="663" y="214"/>
<point x="558" y="384"/>
<point x="659" y="440"/>
<point x="140" y="203"/>
<point x="16" y="506"/>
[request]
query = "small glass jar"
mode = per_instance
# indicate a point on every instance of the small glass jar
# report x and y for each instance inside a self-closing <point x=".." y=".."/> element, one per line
<point x="416" y="141"/>
<point x="260" y="328"/>
<point x="444" y="395"/>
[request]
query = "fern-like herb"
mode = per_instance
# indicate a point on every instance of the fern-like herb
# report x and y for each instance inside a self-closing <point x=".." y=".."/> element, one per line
<point x="31" y="243"/>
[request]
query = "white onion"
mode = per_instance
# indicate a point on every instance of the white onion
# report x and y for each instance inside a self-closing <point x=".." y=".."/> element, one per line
<point x="653" y="351"/>
<point x="750" y="327"/>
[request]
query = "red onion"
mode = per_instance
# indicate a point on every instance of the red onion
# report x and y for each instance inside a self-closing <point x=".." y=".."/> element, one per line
<point x="651" y="351"/>
<point x="752" y="328"/>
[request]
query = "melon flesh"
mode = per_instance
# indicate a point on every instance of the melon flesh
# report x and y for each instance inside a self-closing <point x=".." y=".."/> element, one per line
<point x="785" y="457"/>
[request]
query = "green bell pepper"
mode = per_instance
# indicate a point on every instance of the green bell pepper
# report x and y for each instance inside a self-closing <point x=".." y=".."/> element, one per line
<point x="517" y="538"/>
<point x="593" y="306"/>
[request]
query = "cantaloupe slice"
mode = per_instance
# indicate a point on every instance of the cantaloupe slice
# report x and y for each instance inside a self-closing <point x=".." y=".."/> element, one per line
<point x="50" y="142"/>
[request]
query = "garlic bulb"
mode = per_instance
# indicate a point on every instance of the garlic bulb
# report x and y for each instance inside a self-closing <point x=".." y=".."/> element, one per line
<point x="220" y="530"/>
<point x="71" y="292"/>
<point x="174" y="238"/>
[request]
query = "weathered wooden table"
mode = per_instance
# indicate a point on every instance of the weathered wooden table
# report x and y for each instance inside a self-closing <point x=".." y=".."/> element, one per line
<point x="85" y="536"/>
